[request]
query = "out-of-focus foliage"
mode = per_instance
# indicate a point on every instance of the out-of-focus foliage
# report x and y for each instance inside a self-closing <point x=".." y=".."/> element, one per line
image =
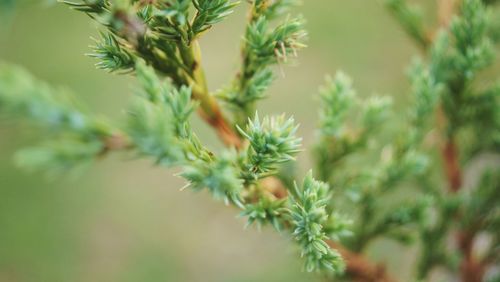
<point x="76" y="136"/>
<point x="443" y="84"/>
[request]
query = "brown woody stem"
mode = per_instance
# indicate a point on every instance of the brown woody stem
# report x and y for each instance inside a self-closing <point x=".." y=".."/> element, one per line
<point x="212" y="114"/>
<point x="210" y="110"/>
<point x="471" y="269"/>
<point x="359" y="268"/>
<point x="452" y="165"/>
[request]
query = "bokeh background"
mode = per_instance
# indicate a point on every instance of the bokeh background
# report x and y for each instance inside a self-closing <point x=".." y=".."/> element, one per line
<point x="126" y="220"/>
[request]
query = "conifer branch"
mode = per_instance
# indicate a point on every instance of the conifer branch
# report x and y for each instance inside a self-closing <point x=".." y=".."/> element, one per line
<point x="158" y="42"/>
<point x="357" y="266"/>
<point x="170" y="46"/>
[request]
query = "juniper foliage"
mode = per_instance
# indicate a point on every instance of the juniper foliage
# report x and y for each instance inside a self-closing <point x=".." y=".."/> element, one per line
<point x="443" y="84"/>
<point x="353" y="202"/>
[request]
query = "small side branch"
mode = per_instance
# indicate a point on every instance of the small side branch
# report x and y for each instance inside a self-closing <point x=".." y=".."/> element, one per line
<point x="358" y="267"/>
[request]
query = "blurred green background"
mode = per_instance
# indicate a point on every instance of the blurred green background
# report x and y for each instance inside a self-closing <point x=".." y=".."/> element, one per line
<point x="126" y="220"/>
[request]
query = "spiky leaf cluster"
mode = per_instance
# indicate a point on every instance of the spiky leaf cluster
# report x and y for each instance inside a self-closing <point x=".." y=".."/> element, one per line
<point x="308" y="215"/>
<point x="263" y="45"/>
<point x="266" y="47"/>
<point x="111" y="55"/>
<point x="272" y="142"/>
<point x="220" y="176"/>
<point x="160" y="32"/>
<point x="266" y="211"/>
<point x="210" y="12"/>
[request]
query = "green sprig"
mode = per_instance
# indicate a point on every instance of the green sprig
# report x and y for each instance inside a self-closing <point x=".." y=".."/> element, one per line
<point x="272" y="142"/>
<point x="308" y="213"/>
<point x="210" y="12"/>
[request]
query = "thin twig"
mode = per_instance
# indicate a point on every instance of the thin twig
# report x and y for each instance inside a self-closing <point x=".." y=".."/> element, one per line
<point x="359" y="268"/>
<point x="452" y="165"/>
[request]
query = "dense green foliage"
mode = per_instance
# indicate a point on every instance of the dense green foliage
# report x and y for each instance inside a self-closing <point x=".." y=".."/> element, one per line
<point x="157" y="41"/>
